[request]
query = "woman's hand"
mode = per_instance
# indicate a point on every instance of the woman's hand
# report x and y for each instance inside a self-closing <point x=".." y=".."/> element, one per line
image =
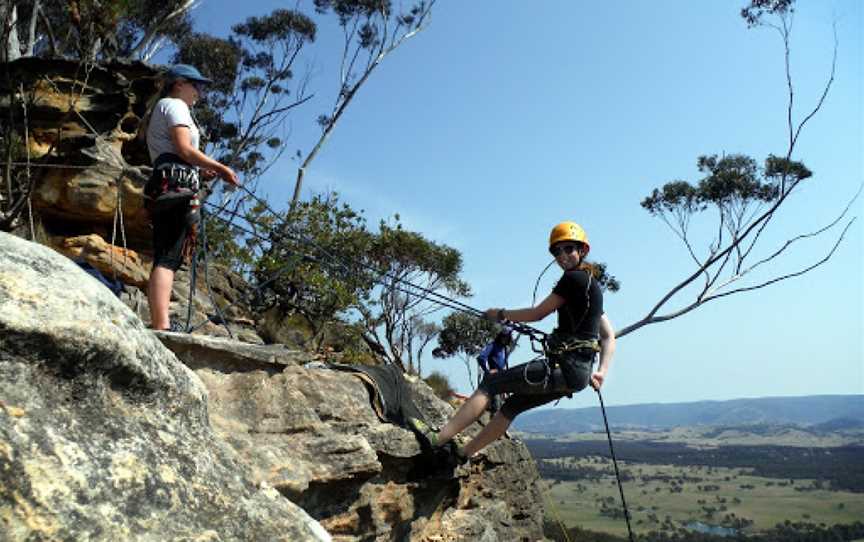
<point x="492" y="314"/>
<point x="597" y="380"/>
<point x="229" y="176"/>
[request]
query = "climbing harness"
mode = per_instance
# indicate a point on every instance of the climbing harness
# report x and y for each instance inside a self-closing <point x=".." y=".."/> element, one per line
<point x="172" y="184"/>
<point x="547" y="372"/>
<point x="556" y="345"/>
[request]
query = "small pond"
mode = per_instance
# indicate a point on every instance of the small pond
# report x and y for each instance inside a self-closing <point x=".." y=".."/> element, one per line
<point x="700" y="527"/>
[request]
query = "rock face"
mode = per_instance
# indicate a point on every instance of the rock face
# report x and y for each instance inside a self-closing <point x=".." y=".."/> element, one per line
<point x="311" y="433"/>
<point x="83" y="124"/>
<point x="106" y="434"/>
<point x="128" y="265"/>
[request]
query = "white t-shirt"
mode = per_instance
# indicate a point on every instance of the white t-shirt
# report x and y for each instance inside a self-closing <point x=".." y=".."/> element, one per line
<point x="167" y="113"/>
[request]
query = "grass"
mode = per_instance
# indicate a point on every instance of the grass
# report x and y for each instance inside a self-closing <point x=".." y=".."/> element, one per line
<point x="766" y="503"/>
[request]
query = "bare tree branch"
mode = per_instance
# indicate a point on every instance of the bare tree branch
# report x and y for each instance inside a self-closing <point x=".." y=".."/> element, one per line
<point x="31" y="34"/>
<point x="824" y="92"/>
<point x="796" y="273"/>
<point x="347" y="94"/>
<point x="155" y="28"/>
<point x="789" y="242"/>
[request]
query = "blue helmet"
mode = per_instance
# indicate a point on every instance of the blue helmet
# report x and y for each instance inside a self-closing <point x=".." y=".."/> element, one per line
<point x="185" y="71"/>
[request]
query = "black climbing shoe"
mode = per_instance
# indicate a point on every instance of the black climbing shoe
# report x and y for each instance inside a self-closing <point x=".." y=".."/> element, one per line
<point x="459" y="454"/>
<point x="176" y="327"/>
<point x="424" y="431"/>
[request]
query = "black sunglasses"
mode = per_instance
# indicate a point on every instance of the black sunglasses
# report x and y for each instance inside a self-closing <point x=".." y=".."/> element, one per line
<point x="567" y="249"/>
<point x="199" y="86"/>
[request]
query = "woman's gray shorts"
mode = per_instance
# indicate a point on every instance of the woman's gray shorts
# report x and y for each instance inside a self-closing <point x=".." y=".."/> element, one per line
<point x="533" y="384"/>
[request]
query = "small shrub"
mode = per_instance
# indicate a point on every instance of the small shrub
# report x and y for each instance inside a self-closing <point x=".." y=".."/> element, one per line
<point x="439" y="384"/>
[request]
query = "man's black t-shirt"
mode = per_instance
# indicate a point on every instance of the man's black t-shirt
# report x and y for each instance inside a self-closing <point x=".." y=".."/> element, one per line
<point x="580" y="315"/>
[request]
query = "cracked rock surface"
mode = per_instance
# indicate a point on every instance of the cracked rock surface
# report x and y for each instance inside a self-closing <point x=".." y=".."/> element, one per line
<point x="104" y="434"/>
<point x="312" y="434"/>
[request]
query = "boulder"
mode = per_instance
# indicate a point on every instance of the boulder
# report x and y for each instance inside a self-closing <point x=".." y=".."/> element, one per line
<point x="104" y="434"/>
<point x="129" y="266"/>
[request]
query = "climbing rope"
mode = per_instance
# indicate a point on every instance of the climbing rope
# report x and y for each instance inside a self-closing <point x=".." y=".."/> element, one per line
<point x="339" y="263"/>
<point x="554" y="509"/>
<point x="27" y="164"/>
<point x="615" y="464"/>
<point x="202" y="252"/>
<point x="118" y="218"/>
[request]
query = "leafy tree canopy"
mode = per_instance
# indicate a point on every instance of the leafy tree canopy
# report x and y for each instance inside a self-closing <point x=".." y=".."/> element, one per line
<point x="464" y="334"/>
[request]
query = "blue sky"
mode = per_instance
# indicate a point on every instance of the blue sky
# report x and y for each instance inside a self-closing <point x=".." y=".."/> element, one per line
<point x="503" y="118"/>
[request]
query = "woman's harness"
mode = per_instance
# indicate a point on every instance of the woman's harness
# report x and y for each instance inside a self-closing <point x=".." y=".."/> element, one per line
<point x="173" y="184"/>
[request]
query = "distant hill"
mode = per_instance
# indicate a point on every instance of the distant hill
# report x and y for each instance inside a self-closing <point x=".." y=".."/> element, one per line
<point x="822" y="412"/>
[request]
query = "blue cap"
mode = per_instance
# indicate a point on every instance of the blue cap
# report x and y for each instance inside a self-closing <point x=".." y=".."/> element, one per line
<point x="185" y="71"/>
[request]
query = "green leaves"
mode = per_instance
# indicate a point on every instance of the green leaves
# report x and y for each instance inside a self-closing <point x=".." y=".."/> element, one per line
<point x="324" y="264"/>
<point x="731" y="177"/>
<point x="281" y="24"/>
<point x="464" y="334"/>
<point x="309" y="280"/>
<point x="217" y="59"/>
<point x="778" y="168"/>
<point x="601" y="274"/>
<point x="731" y="180"/>
<point x="757" y="9"/>
<point x="673" y="196"/>
<point x="348" y="9"/>
<point x="410" y="253"/>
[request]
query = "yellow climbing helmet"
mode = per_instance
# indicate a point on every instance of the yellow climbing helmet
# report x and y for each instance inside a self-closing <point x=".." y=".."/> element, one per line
<point x="569" y="231"/>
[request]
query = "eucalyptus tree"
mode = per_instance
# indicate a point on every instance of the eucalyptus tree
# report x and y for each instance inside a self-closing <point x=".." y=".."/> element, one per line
<point x="324" y="264"/>
<point x="739" y="198"/>
<point x="411" y="273"/>
<point x="464" y="335"/>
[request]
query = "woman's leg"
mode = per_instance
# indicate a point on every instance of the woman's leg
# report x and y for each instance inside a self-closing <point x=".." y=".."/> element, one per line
<point x="465" y="416"/>
<point x="507" y="381"/>
<point x="159" y="296"/>
<point x="169" y="233"/>
<point x="496" y="427"/>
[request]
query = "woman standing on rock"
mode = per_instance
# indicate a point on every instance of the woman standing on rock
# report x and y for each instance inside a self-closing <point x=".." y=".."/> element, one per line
<point x="583" y="330"/>
<point x="172" y="141"/>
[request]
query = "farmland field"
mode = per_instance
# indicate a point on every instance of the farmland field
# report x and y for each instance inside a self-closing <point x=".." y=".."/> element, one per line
<point x="673" y="496"/>
<point x="675" y="486"/>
